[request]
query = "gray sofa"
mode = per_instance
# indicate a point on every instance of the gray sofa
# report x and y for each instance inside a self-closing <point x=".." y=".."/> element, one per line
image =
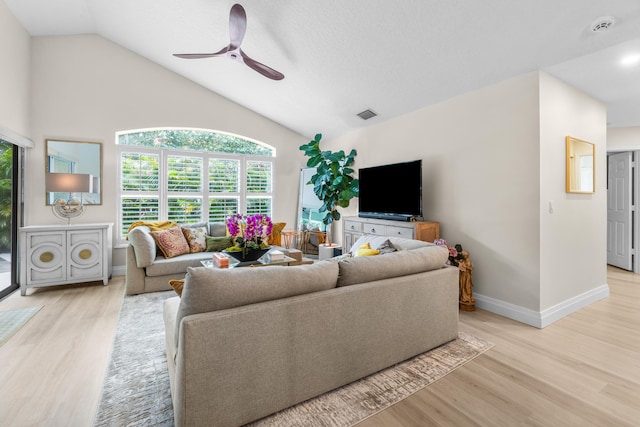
<point x="244" y="343"/>
<point x="149" y="271"/>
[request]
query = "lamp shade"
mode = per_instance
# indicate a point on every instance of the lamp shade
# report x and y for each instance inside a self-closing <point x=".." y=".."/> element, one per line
<point x="69" y="183"/>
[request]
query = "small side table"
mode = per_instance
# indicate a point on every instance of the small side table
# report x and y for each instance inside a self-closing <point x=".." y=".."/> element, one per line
<point x="292" y="237"/>
<point x="320" y="235"/>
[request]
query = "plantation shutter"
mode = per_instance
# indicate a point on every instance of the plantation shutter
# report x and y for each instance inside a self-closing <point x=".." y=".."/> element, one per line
<point x="184" y="176"/>
<point x="139" y="188"/>
<point x="259" y="187"/>
<point x="224" y="188"/>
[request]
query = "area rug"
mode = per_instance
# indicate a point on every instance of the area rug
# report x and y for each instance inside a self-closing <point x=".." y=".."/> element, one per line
<point x="136" y="389"/>
<point x="11" y="321"/>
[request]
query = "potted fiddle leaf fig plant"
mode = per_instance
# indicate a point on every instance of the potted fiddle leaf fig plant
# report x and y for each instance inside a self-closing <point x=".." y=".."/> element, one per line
<point x="333" y="181"/>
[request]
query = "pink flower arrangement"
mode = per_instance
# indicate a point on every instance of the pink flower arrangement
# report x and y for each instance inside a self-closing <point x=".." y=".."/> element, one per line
<point x="455" y="252"/>
<point x="250" y="231"/>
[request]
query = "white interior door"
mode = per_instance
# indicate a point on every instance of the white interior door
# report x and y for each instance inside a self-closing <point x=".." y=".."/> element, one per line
<point x="619" y="211"/>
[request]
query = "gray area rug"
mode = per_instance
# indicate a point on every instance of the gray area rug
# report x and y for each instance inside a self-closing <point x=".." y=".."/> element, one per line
<point x="136" y="389"/>
<point x="11" y="321"/>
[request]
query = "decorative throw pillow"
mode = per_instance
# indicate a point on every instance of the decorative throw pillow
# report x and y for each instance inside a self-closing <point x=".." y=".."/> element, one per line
<point x="171" y="242"/>
<point x="196" y="237"/>
<point x="387" y="247"/>
<point x="276" y="237"/>
<point x="217" y="244"/>
<point x="177" y="286"/>
<point x="365" y="250"/>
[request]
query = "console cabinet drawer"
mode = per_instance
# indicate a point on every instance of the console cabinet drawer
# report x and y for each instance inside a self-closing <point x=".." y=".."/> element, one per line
<point x="404" y="232"/>
<point x="353" y="227"/>
<point x="376" y="229"/>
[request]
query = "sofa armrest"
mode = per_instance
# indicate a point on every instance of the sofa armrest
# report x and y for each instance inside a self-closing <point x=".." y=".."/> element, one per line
<point x="135" y="275"/>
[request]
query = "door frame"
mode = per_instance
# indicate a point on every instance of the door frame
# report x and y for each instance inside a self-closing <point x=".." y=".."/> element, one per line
<point x="17" y="218"/>
<point x="635" y="197"/>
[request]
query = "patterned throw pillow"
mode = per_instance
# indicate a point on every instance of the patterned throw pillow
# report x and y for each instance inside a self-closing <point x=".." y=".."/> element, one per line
<point x="171" y="242"/>
<point x="276" y="237"/>
<point x="196" y="237"/>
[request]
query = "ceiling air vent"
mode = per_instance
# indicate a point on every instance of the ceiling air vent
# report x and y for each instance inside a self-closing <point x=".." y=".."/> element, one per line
<point x="603" y="24"/>
<point x="367" y="114"/>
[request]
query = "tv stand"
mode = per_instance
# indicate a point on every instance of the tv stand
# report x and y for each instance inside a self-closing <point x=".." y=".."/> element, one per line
<point x="354" y="227"/>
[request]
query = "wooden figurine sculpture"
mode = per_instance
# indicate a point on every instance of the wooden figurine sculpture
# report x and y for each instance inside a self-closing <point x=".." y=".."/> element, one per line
<point x="467" y="302"/>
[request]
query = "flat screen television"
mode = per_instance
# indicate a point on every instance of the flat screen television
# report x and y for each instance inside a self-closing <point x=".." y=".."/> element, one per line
<point x="392" y="191"/>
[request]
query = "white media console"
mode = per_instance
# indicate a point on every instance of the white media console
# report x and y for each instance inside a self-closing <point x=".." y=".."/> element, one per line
<point x="354" y="227"/>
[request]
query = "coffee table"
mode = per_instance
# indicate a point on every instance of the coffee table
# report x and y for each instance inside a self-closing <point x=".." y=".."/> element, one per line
<point x="263" y="261"/>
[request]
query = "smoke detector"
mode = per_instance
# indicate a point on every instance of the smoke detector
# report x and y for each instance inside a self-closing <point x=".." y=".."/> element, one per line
<point x="602" y="24"/>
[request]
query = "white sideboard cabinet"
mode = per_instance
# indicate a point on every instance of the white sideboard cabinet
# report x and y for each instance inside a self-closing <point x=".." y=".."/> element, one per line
<point x="354" y="227"/>
<point x="57" y="255"/>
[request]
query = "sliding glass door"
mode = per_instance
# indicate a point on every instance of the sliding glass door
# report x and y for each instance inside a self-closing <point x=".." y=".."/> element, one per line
<point x="9" y="209"/>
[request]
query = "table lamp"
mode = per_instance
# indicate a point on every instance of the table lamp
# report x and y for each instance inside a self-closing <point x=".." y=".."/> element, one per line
<point x="69" y="183"/>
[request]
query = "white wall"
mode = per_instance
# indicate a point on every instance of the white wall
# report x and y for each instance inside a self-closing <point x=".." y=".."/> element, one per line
<point x="491" y="161"/>
<point x="14" y="74"/>
<point x="623" y="139"/>
<point x="87" y="88"/>
<point x="480" y="159"/>
<point x="572" y="238"/>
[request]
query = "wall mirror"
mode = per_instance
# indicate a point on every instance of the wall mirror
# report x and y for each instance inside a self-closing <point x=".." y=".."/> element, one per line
<point x="581" y="166"/>
<point x="75" y="157"/>
<point x="309" y="216"/>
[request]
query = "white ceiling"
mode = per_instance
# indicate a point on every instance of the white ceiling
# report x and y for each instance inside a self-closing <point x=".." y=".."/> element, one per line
<point x="341" y="57"/>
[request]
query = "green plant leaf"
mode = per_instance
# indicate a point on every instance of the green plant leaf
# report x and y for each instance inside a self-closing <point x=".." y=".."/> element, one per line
<point x="333" y="182"/>
<point x="314" y="161"/>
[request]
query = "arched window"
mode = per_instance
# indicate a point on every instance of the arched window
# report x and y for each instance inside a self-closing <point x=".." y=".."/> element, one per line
<point x="191" y="176"/>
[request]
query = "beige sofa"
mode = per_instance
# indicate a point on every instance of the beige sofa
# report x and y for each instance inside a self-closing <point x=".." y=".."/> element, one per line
<point x="149" y="271"/>
<point x="244" y="343"/>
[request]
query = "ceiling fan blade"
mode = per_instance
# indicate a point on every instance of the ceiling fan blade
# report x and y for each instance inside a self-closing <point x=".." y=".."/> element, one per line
<point x="202" y="55"/>
<point x="237" y="26"/>
<point x="261" y="68"/>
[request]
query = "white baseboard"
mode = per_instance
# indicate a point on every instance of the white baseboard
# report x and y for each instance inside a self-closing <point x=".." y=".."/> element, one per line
<point x="119" y="270"/>
<point x="541" y="319"/>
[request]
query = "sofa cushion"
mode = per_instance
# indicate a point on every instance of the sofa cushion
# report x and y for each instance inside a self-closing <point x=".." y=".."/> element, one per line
<point x="217" y="229"/>
<point x="402" y="263"/>
<point x="163" y="266"/>
<point x="196" y="238"/>
<point x="143" y="245"/>
<point x="212" y="289"/>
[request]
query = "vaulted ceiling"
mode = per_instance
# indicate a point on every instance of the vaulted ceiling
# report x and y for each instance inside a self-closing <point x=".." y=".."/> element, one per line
<point x="342" y="57"/>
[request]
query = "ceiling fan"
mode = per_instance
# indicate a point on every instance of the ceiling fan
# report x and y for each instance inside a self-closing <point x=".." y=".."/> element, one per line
<point x="237" y="28"/>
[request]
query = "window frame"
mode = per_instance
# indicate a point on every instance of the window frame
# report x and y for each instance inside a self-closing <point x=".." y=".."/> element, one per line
<point x="205" y="195"/>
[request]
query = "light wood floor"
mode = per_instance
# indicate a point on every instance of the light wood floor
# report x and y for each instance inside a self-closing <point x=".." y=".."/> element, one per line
<point x="583" y="370"/>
